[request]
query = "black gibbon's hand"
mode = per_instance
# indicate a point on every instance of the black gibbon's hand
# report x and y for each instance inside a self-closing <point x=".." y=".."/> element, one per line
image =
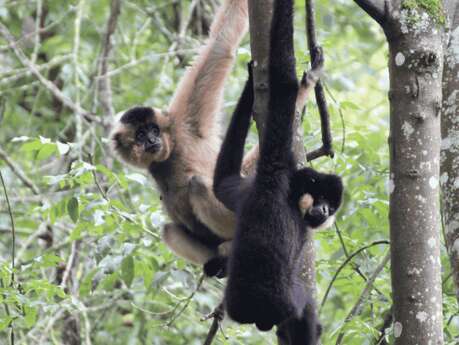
<point x="216" y="267"/>
<point x="318" y="62"/>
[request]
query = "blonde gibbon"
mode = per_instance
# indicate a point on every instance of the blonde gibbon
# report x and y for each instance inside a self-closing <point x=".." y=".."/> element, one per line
<point x="179" y="147"/>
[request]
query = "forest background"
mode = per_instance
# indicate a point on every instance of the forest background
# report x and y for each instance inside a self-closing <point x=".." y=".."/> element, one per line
<point x="90" y="265"/>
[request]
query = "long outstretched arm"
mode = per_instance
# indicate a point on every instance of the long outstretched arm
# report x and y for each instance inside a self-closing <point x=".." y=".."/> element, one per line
<point x="227" y="176"/>
<point x="283" y="90"/>
<point x="199" y="94"/>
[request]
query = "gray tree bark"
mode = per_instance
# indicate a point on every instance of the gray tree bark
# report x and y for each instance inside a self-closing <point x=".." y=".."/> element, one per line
<point x="450" y="141"/>
<point x="415" y="67"/>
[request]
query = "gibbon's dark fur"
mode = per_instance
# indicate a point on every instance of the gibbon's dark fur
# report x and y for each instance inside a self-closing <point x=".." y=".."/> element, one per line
<point x="265" y="262"/>
<point x="179" y="147"/>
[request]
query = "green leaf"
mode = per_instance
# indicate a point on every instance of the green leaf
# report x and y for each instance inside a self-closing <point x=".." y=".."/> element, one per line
<point x="86" y="284"/>
<point x="127" y="270"/>
<point x="30" y="316"/>
<point x="72" y="209"/>
<point x="46" y="151"/>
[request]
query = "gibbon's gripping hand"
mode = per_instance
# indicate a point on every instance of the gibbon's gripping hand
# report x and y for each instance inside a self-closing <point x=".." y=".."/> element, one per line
<point x="216" y="267"/>
<point x="311" y="77"/>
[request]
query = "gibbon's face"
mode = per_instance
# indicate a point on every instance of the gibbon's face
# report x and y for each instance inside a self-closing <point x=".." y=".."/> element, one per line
<point x="326" y="191"/>
<point x="142" y="137"/>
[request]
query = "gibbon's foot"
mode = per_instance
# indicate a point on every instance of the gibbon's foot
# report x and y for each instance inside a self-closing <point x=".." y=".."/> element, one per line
<point x="197" y="186"/>
<point x="264" y="327"/>
<point x="216" y="267"/>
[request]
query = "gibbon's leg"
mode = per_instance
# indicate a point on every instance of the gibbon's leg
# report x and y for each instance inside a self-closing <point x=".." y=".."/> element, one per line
<point x="185" y="246"/>
<point x="209" y="210"/>
<point x="199" y="94"/>
<point x="227" y="176"/>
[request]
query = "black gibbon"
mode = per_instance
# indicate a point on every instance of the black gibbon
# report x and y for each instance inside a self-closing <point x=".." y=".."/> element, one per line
<point x="179" y="146"/>
<point x="266" y="256"/>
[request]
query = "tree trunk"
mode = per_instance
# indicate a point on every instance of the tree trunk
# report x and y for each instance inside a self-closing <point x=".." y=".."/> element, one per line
<point x="415" y="67"/>
<point x="450" y="142"/>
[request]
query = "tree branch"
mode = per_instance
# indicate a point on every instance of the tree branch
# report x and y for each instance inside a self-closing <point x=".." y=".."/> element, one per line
<point x="376" y="9"/>
<point x="326" y="149"/>
<point x="19" y="172"/>
<point x="104" y="83"/>
<point x="348" y="259"/>
<point x="44" y="81"/>
<point x="217" y="315"/>
<point x="356" y="308"/>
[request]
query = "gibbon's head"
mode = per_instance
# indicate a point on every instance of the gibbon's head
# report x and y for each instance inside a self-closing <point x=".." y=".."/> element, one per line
<point x="321" y="198"/>
<point x="142" y="136"/>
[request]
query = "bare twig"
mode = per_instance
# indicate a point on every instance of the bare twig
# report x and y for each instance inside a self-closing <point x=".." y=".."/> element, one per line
<point x="356" y="308"/>
<point x="70" y="263"/>
<point x="16" y="169"/>
<point x="15" y="74"/>
<point x="38" y="15"/>
<point x="13" y="249"/>
<point x="217" y="315"/>
<point x="354" y="265"/>
<point x="326" y="149"/>
<point x="104" y="83"/>
<point x="44" y="81"/>
<point x="186" y="301"/>
<point x="386" y="325"/>
<point x="348" y="259"/>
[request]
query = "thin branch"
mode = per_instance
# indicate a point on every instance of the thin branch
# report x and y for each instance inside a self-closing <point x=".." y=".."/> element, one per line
<point x="356" y="308"/>
<point x="218" y="315"/>
<point x="354" y="265"/>
<point x="357" y="252"/>
<point x="387" y="323"/>
<point x="16" y="169"/>
<point x="104" y="83"/>
<point x="38" y="18"/>
<point x="326" y="149"/>
<point x="70" y="263"/>
<point x="13" y="249"/>
<point x="187" y="301"/>
<point x="15" y="74"/>
<point x="376" y="9"/>
<point x="44" y="81"/>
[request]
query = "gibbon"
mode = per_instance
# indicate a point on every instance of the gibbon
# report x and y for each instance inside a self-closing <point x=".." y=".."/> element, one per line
<point x="179" y="146"/>
<point x="266" y="256"/>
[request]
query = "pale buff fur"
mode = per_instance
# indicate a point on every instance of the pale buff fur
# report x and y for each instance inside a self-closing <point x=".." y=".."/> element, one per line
<point x="190" y="129"/>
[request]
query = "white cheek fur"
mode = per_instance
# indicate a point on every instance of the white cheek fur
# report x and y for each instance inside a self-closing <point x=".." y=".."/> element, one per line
<point x="325" y="225"/>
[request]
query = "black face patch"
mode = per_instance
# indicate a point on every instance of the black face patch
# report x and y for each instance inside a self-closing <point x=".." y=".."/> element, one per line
<point x="149" y="136"/>
<point x="137" y="116"/>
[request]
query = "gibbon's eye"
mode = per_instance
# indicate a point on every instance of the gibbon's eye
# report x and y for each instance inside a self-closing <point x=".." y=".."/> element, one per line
<point x="140" y="135"/>
<point x="331" y="210"/>
<point x="155" y="131"/>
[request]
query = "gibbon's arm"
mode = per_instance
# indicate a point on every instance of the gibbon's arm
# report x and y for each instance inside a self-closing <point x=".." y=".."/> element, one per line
<point x="251" y="158"/>
<point x="227" y="177"/>
<point x="283" y="91"/>
<point x="199" y="94"/>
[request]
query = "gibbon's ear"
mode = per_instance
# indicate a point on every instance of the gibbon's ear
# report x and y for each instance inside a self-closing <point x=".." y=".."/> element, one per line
<point x="142" y="136"/>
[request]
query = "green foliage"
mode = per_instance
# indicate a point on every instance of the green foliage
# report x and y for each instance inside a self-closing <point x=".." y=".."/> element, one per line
<point x="433" y="7"/>
<point x="103" y="220"/>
